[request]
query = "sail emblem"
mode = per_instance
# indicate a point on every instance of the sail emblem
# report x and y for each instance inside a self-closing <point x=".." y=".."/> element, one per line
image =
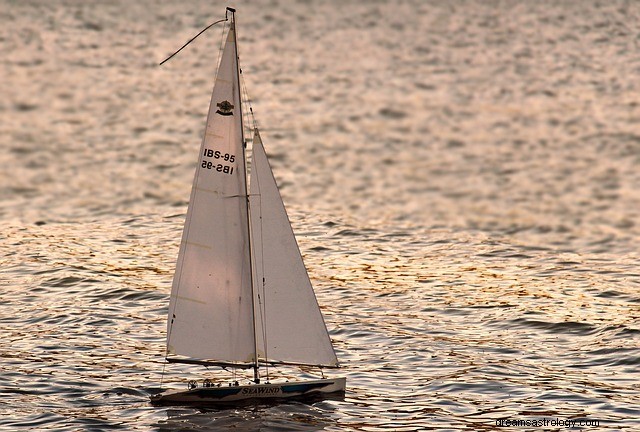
<point x="225" y="108"/>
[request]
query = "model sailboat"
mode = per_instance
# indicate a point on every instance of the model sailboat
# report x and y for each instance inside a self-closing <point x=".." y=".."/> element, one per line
<point x="241" y="296"/>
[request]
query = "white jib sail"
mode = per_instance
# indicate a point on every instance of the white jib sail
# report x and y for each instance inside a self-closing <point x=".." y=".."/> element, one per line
<point x="210" y="311"/>
<point x="289" y="325"/>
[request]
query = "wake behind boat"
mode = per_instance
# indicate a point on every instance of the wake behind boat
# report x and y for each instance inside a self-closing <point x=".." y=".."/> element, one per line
<point x="241" y="297"/>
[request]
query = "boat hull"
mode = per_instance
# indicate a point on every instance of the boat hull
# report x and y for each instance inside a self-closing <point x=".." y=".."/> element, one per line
<point x="272" y="392"/>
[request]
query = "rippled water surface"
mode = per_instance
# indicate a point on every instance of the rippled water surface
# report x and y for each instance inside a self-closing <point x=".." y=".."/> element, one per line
<point x="463" y="178"/>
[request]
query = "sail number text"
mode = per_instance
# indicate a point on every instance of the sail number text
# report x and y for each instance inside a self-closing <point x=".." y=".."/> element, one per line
<point x="218" y="167"/>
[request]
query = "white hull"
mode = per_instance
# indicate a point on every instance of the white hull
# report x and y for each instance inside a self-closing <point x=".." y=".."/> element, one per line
<point x="293" y="390"/>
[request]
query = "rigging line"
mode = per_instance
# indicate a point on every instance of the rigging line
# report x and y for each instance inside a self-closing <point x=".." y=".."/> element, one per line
<point x="221" y="48"/>
<point x="192" y="39"/>
<point x="256" y="367"/>
<point x="250" y="119"/>
<point x="245" y="97"/>
<point x="250" y="114"/>
<point x="264" y="287"/>
<point x="262" y="299"/>
<point x="264" y="295"/>
<point x="261" y="292"/>
<point x="164" y="366"/>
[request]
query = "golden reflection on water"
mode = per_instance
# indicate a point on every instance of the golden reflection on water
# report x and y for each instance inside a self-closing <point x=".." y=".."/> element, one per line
<point x="454" y="327"/>
<point x="463" y="180"/>
<point x="459" y="317"/>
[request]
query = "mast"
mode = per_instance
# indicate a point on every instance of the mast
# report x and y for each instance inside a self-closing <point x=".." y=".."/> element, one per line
<point x="256" y="364"/>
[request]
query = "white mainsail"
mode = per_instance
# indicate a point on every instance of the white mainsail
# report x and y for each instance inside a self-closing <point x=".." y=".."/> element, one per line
<point x="211" y="309"/>
<point x="289" y="325"/>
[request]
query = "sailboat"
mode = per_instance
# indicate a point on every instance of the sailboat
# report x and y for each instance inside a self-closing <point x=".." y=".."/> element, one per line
<point x="241" y="297"/>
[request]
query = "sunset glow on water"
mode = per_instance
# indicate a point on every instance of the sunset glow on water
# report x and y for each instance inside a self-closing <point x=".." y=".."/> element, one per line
<point x="463" y="179"/>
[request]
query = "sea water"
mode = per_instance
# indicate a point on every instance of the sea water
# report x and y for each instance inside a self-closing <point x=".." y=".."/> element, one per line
<point x="463" y="178"/>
